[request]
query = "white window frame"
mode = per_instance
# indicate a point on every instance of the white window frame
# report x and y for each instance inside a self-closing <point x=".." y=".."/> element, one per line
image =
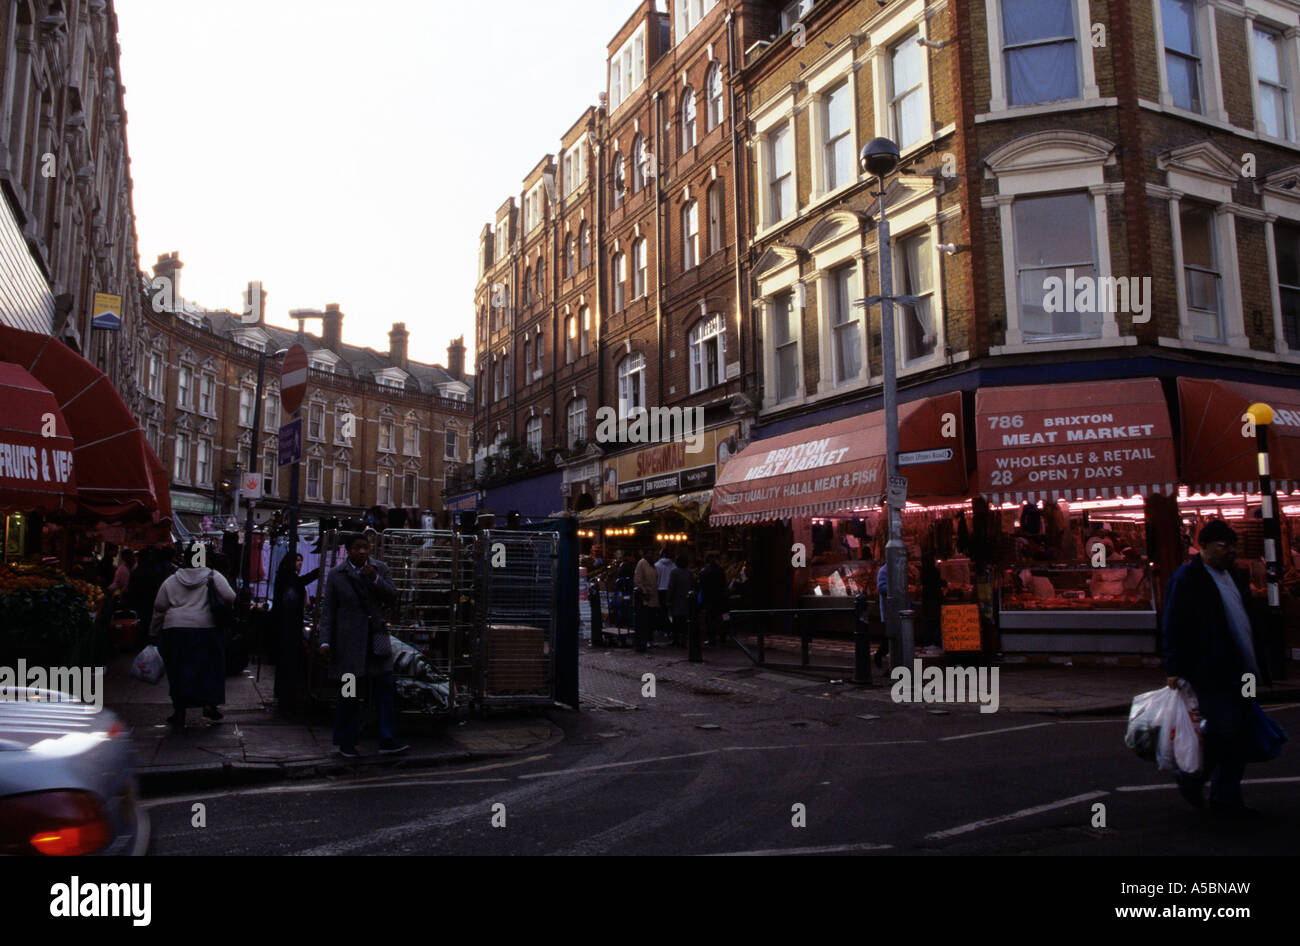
<point x="584" y="245"/>
<point x="1206" y="174"/>
<point x="627" y="69"/>
<point x="157" y="376"/>
<point x="181" y="459"/>
<point x="384" y="487"/>
<point x="203" y="456"/>
<point x="411" y="437"/>
<point x="619" y="268"/>
<point x="270" y="474"/>
<point x="184" y="391"/>
<point x="829" y="254"/>
<point x="908" y="23"/>
<point x="690" y="13"/>
<point x="570" y="255"/>
<point x="317" y="465"/>
<point x="387" y="435"/>
<point x="411" y="488"/>
<point x="708" y="332"/>
<point x="577" y="420"/>
<point x="1039" y="164"/>
<point x="772" y="185"/>
<point x="451" y="444"/>
<point x="828" y="293"/>
<point x="713" y="92"/>
<point x="691" y="235"/>
<point x="689" y="117"/>
<point x="534" y="213"/>
<point x="640" y="158"/>
<point x="1089" y="96"/>
<point x="584" y="330"/>
<point x="340" y="482"/>
<point x="208" y="382"/>
<point x="570" y="338"/>
<point x="797" y="341"/>
<point x="928" y="237"/>
<point x="539" y="350"/>
<point x="639" y="268"/>
<point x="1281" y="205"/>
<point x="1274" y="21"/>
<point x="533" y="435"/>
<point x="1207" y="38"/>
<point x="316" y="409"/>
<point x="1215" y="271"/>
<point x="838" y="69"/>
<point x="247" y="405"/>
<point x="618" y="176"/>
<point x="270" y="411"/>
<point x="631" y="384"/>
<point x="713" y="200"/>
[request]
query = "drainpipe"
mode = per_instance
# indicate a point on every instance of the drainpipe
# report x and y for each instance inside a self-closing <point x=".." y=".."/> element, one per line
<point x="742" y="309"/>
<point x="660" y="164"/>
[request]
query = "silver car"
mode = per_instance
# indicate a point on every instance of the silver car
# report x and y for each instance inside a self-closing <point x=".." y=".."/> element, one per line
<point x="67" y="784"/>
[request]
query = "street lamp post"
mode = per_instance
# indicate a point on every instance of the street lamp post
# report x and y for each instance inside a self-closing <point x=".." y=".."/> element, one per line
<point x="1262" y="415"/>
<point x="879" y="157"/>
<point x="246" y="565"/>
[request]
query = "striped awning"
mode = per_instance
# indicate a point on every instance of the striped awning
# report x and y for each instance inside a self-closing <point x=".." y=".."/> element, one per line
<point x="608" y="512"/>
<point x="1217" y="455"/>
<point x="840" y="466"/>
<point x="1093" y="440"/>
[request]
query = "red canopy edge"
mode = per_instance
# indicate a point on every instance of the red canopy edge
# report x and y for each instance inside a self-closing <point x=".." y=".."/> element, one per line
<point x="1217" y="457"/>
<point x="840" y="465"/>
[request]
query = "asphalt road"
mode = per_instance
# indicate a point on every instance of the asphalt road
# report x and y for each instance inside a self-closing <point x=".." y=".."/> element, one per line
<point x="651" y="780"/>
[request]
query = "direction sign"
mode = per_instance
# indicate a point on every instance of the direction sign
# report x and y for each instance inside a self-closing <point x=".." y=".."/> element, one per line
<point x="291" y="442"/>
<point x="925" y="456"/>
<point x="897" y="493"/>
<point x="293" y="378"/>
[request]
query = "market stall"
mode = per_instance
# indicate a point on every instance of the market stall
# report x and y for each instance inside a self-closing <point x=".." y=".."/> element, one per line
<point x="1063" y="581"/>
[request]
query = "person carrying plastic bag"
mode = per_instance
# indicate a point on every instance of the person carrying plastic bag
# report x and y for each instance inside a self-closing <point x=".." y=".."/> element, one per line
<point x="1208" y="643"/>
<point x="148" y="665"/>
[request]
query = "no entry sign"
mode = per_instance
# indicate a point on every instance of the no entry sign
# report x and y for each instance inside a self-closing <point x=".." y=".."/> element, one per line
<point x="293" y="378"/>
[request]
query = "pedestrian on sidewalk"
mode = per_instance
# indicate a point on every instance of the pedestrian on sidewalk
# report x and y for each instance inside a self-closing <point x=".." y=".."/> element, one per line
<point x="681" y="585"/>
<point x="354" y="640"/>
<point x="121" y="577"/>
<point x="664" y="568"/>
<point x="713" y="599"/>
<point x="1208" y="639"/>
<point x="288" y="606"/>
<point x="646" y="580"/>
<point x="189" y="640"/>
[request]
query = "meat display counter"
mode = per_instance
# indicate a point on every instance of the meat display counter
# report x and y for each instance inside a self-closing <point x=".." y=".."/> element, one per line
<point x="1069" y="608"/>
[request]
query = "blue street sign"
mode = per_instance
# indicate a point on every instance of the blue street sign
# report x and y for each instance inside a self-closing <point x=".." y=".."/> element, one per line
<point x="291" y="442"/>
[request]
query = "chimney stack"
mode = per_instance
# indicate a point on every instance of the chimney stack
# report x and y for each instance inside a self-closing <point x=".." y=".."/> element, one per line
<point x="397" y="340"/>
<point x="332" y="329"/>
<point x="456" y="358"/>
<point x="168" y="267"/>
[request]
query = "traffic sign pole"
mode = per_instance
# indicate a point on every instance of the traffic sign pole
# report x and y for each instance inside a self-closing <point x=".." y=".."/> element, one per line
<point x="293" y="385"/>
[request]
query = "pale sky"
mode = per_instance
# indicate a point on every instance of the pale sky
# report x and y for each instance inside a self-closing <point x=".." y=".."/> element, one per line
<point x="347" y="152"/>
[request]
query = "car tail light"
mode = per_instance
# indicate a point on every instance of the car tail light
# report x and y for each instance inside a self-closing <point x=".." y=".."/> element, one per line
<point x="57" y="823"/>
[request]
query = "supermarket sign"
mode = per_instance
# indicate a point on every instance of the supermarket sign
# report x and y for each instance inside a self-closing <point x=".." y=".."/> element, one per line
<point x="668" y="468"/>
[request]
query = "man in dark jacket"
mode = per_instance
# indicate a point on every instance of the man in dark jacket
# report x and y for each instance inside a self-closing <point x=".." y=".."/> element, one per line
<point x="354" y="640"/>
<point x="1208" y="642"/>
<point x="713" y="599"/>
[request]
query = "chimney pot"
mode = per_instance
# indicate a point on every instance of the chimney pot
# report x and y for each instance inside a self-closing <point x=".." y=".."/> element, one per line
<point x="397" y="345"/>
<point x="332" y="329"/>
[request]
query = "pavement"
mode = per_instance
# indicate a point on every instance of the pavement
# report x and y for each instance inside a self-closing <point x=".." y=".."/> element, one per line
<point x="253" y="743"/>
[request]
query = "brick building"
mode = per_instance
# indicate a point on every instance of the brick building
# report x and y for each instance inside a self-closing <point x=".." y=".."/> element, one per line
<point x="197" y="373"/>
<point x="67" y="225"/>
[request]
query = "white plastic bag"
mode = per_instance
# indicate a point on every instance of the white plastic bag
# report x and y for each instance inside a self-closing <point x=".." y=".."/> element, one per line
<point x="148" y="665"/>
<point x="1161" y="727"/>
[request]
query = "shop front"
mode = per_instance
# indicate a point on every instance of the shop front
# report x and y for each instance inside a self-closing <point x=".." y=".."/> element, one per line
<point x="1076" y="477"/>
<point x="812" y="497"/>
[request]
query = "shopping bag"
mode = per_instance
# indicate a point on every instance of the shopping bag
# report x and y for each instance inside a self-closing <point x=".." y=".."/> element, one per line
<point x="1266" y="736"/>
<point x="1178" y="748"/>
<point x="148" y="665"/>
<point x="1143" y="732"/>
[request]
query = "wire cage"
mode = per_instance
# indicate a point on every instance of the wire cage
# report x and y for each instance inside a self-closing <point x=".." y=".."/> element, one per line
<point x="433" y="572"/>
<point x="515" y="617"/>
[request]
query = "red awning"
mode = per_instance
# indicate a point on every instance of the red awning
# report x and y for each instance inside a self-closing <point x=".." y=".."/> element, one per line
<point x="1216" y="457"/>
<point x="841" y="465"/>
<point x="36" y="449"/>
<point x="119" y="476"/>
<point x="1093" y="440"/>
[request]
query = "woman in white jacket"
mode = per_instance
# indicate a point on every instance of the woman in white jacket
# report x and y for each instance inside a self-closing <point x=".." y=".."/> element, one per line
<point x="191" y="645"/>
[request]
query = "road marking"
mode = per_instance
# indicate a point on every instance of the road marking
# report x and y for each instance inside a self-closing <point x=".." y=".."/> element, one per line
<point x="1023" y="813"/>
<point x="316" y="787"/>
<point x="1085" y="722"/>
<point x="617" y="765"/>
<point x="994" y="732"/>
<point x="827" y="745"/>
<point x="792" y="851"/>
<point x="1285" y="779"/>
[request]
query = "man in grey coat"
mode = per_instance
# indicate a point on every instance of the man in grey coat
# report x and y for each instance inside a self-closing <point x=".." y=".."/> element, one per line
<point x="354" y="640"/>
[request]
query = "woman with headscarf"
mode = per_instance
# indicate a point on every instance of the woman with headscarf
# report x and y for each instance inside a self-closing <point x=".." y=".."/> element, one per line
<point x="288" y="606"/>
